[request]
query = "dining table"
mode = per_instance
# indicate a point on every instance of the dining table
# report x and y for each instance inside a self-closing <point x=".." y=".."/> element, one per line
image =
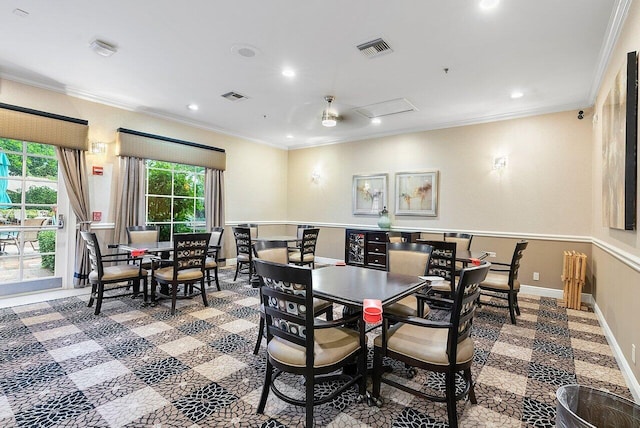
<point x="350" y="285"/>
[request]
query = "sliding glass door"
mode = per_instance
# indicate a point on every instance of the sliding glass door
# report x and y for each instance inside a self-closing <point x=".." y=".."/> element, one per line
<point x="28" y="218"/>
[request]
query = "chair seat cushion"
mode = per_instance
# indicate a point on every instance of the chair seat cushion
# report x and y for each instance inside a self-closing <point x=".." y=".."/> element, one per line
<point x="499" y="282"/>
<point x="441" y="286"/>
<point x="295" y="257"/>
<point x="166" y="274"/>
<point x="424" y="344"/>
<point x="210" y="263"/>
<point x="331" y="346"/>
<point x="118" y="272"/>
<point x="320" y="305"/>
<point x="406" y="307"/>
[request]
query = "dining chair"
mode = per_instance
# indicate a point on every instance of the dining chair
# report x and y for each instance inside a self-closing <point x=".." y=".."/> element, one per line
<point x="504" y="284"/>
<point x="244" y="252"/>
<point x="278" y="252"/>
<point x="118" y="276"/>
<point x="463" y="242"/>
<point x="394" y="237"/>
<point x="143" y="235"/>
<point x="408" y="259"/>
<point x="305" y="255"/>
<point x="187" y="267"/>
<point x="215" y="245"/>
<point x="301" y="228"/>
<point x="297" y="343"/>
<point x="437" y="346"/>
<point x="31" y="236"/>
<point x="442" y="264"/>
<point x="252" y="227"/>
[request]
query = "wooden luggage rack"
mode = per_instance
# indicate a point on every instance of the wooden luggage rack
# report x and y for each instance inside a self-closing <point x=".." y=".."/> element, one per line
<point x="574" y="269"/>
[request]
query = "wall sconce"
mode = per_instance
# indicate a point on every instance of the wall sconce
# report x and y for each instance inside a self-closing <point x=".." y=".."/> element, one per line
<point x="315" y="176"/>
<point x="98" y="148"/>
<point x="500" y="163"/>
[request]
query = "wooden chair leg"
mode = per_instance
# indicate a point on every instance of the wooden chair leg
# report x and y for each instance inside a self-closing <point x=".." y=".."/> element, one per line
<point x="511" y="308"/>
<point x="515" y="300"/>
<point x="265" y="388"/>
<point x="92" y="296"/>
<point x="215" y="271"/>
<point x="260" y="334"/>
<point x="450" y="379"/>
<point x="237" y="270"/>
<point x="472" y="391"/>
<point x="309" y="383"/>
<point x="174" y="297"/>
<point x="203" y="291"/>
<point x="99" y="298"/>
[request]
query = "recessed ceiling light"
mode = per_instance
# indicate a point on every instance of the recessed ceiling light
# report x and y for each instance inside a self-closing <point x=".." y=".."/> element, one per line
<point x="290" y="137"/>
<point x="244" y="50"/>
<point x="376" y="121"/>
<point x="103" y="48"/>
<point x="516" y="94"/>
<point x="193" y="107"/>
<point x="488" y="4"/>
<point x="288" y="72"/>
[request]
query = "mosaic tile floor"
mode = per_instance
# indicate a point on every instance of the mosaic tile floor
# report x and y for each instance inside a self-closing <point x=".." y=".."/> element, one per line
<point x="135" y="366"/>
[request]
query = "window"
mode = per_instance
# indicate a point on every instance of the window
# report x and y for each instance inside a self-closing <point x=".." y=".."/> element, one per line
<point x="175" y="197"/>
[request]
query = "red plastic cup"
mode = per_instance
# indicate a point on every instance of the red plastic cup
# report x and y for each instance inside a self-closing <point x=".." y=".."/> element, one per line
<point x="372" y="311"/>
<point x="137" y="253"/>
<point x="475" y="262"/>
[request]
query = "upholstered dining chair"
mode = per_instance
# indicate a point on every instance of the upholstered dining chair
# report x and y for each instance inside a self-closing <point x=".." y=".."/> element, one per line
<point x="187" y="268"/>
<point x="244" y="252"/>
<point x="299" y="344"/>
<point x="502" y="282"/>
<point x="408" y="259"/>
<point x="253" y="228"/>
<point x="301" y="228"/>
<point x="437" y="346"/>
<point x="442" y="264"/>
<point x="278" y="252"/>
<point x="211" y="263"/>
<point x="143" y="235"/>
<point x="463" y="242"/>
<point x="118" y="276"/>
<point x="305" y="255"/>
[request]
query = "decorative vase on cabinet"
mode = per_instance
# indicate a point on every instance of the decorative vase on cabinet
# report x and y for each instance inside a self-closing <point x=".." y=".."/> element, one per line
<point x="383" y="221"/>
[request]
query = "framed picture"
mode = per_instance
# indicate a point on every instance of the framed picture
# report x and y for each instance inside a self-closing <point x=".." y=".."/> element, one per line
<point x="417" y="193"/>
<point x="369" y="194"/>
<point x="619" y="148"/>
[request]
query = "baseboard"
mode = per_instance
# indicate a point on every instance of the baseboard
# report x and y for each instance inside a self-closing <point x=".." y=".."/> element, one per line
<point x="625" y="368"/>
<point x="552" y="292"/>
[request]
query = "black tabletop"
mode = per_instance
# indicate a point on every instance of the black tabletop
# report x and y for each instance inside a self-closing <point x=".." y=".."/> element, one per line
<point x="350" y="285"/>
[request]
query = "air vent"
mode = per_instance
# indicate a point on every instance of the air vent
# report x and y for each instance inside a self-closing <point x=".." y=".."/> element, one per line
<point x="375" y="48"/>
<point x="386" y="108"/>
<point x="234" y="96"/>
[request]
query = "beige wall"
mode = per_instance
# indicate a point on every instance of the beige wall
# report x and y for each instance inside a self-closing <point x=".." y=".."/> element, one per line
<point x="616" y="282"/>
<point x="256" y="175"/>
<point x="546" y="188"/>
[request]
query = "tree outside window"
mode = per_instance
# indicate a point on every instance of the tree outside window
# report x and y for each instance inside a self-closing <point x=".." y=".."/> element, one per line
<point x="175" y="198"/>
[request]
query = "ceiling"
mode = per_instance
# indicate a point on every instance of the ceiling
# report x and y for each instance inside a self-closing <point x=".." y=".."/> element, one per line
<point x="455" y="62"/>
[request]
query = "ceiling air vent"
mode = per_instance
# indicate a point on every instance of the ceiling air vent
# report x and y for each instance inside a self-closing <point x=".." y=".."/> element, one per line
<point x="375" y="48"/>
<point x="234" y="96"/>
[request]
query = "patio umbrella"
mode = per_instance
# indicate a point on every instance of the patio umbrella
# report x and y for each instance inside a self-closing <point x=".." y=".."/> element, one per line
<point x="4" y="173"/>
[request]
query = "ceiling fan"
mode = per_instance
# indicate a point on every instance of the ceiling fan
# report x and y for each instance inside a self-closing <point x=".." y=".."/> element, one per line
<point x="329" y="118"/>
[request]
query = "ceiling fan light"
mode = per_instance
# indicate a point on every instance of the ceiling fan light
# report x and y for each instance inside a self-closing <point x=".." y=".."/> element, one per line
<point x="329" y="120"/>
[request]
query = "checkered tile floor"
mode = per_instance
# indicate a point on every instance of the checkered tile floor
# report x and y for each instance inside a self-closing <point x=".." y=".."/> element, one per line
<point x="139" y="366"/>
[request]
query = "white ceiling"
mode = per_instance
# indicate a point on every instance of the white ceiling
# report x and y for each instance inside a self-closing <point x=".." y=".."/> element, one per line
<point x="171" y="54"/>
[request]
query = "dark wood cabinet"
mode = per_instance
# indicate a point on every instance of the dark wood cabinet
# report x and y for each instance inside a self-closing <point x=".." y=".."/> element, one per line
<point x="368" y="248"/>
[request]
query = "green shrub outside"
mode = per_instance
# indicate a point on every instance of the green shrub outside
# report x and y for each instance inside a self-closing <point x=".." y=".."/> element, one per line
<point x="47" y="243"/>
